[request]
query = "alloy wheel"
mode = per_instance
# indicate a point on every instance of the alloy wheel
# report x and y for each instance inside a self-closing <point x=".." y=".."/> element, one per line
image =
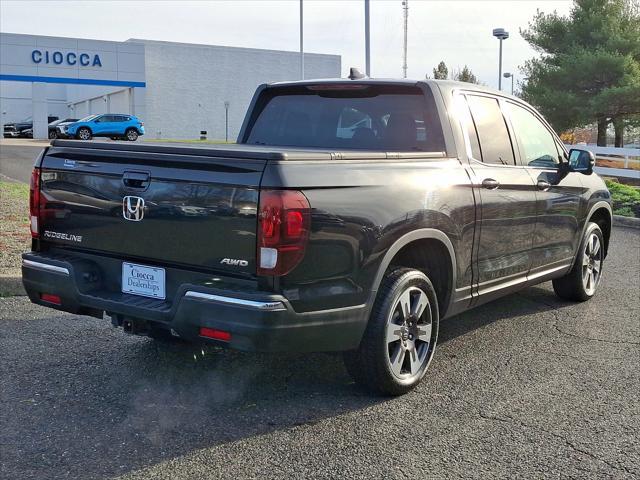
<point x="408" y="335"/>
<point x="591" y="264"/>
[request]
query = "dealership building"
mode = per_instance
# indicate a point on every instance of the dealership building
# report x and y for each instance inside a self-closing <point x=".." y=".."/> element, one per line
<point x="177" y="89"/>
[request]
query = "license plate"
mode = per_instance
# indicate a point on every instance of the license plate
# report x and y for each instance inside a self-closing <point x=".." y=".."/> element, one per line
<point x="143" y="280"/>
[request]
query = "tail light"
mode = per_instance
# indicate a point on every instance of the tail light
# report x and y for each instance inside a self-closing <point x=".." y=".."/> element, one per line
<point x="284" y="221"/>
<point x="34" y="202"/>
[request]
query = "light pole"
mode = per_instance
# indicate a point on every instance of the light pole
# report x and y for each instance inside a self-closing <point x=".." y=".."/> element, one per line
<point x="226" y="122"/>
<point x="301" y="43"/>
<point x="367" y="45"/>
<point x="501" y="34"/>
<point x="509" y="75"/>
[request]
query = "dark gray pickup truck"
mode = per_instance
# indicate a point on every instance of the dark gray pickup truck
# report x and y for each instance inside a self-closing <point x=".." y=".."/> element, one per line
<point x="351" y="215"/>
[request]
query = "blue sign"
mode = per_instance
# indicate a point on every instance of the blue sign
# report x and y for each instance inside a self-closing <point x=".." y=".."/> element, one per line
<point x="69" y="58"/>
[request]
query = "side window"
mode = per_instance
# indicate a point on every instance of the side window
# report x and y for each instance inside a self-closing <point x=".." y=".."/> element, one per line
<point x="495" y="143"/>
<point x="470" y="127"/>
<point x="538" y="144"/>
<point x="104" y="119"/>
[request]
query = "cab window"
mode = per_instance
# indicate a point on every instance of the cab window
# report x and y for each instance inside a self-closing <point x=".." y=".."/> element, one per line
<point x="536" y="141"/>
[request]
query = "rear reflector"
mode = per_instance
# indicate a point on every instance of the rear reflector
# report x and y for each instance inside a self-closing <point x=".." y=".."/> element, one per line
<point x="215" y="334"/>
<point x="47" y="297"/>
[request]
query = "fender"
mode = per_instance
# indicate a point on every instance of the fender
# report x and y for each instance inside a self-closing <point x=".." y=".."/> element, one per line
<point x="596" y="206"/>
<point x="420" y="234"/>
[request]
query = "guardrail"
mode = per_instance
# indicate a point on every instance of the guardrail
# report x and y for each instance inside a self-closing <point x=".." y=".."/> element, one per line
<point x="614" y="161"/>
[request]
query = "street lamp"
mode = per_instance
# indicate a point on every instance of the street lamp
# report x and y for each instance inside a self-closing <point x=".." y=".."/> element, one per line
<point x="501" y="34"/>
<point x="226" y="121"/>
<point x="509" y="75"/>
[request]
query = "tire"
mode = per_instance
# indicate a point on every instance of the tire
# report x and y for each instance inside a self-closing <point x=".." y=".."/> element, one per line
<point x="52" y="135"/>
<point x="582" y="281"/>
<point x="396" y="348"/>
<point x="83" y="134"/>
<point x="131" y="135"/>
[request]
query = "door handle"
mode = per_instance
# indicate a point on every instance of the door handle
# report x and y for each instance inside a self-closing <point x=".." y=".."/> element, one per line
<point x="543" y="185"/>
<point x="490" y="184"/>
<point x="138" y="180"/>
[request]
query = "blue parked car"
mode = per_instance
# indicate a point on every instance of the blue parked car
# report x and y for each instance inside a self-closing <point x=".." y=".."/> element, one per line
<point x="113" y="125"/>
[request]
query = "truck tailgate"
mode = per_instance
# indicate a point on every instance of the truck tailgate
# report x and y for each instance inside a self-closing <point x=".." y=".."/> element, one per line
<point x="196" y="210"/>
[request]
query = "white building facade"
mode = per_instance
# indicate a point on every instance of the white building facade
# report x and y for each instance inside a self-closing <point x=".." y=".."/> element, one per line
<point x="178" y="90"/>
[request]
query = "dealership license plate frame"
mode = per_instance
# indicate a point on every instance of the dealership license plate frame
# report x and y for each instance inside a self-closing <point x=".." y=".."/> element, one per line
<point x="128" y="268"/>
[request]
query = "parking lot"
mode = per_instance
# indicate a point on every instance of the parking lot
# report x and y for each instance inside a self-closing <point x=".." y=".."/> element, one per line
<point x="528" y="386"/>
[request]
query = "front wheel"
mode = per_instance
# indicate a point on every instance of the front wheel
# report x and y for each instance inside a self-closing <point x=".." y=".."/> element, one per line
<point x="132" y="135"/>
<point x="581" y="282"/>
<point x="52" y="135"/>
<point x="400" y="338"/>
<point x="84" y="134"/>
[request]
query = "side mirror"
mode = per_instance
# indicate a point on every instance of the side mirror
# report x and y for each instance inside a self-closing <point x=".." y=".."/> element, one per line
<point x="581" y="161"/>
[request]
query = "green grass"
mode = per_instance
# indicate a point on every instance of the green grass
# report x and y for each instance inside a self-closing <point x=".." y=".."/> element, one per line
<point x="626" y="199"/>
<point x="14" y="191"/>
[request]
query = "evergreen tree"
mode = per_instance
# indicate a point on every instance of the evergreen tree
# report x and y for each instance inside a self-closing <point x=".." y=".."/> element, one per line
<point x="465" y="75"/>
<point x="589" y="68"/>
<point x="441" y="72"/>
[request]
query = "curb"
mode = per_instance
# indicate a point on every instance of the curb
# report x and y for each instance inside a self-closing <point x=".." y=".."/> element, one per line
<point x="11" y="286"/>
<point x="630" y="222"/>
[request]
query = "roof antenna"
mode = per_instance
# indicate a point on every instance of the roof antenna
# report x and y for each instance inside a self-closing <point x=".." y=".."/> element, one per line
<point x="355" y="74"/>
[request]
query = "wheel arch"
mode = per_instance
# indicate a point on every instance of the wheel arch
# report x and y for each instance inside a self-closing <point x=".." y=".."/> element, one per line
<point x="439" y="262"/>
<point x="601" y="213"/>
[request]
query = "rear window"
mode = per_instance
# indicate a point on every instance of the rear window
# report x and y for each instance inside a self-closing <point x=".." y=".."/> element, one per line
<point x="387" y="118"/>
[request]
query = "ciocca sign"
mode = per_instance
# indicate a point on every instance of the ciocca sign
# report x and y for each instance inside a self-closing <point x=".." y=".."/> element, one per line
<point x="65" y="58"/>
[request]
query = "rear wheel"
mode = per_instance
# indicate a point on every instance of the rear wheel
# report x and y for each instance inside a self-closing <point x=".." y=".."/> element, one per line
<point x="401" y="335"/>
<point x="84" y="134"/>
<point x="131" y="135"/>
<point x="581" y="282"/>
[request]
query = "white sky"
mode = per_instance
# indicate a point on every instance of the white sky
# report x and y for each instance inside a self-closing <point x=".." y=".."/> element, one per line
<point x="458" y="32"/>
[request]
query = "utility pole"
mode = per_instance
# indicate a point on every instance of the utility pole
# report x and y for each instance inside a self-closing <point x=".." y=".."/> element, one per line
<point x="301" y="44"/>
<point x="367" y="47"/>
<point x="405" y="7"/>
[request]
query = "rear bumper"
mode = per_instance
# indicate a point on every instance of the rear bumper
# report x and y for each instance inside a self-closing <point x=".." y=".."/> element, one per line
<point x="257" y="321"/>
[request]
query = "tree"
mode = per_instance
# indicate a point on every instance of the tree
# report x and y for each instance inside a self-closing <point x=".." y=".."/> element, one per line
<point x="465" y="75"/>
<point x="589" y="68"/>
<point x="441" y="72"/>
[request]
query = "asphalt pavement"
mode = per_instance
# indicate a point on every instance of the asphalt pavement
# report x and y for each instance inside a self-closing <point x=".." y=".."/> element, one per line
<point x="17" y="158"/>
<point x="528" y="386"/>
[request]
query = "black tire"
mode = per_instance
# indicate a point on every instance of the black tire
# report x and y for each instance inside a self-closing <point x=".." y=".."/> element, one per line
<point x="83" y="134"/>
<point x="131" y="135"/>
<point x="52" y="135"/>
<point x="582" y="281"/>
<point x="373" y="365"/>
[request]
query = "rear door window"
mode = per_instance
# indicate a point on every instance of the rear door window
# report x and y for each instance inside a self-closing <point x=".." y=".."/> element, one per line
<point x="360" y="117"/>
<point x="495" y="143"/>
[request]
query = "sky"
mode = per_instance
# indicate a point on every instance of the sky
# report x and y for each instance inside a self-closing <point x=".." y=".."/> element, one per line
<point x="458" y="32"/>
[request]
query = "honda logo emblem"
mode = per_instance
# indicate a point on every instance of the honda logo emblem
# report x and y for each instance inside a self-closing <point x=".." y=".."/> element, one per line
<point x="133" y="208"/>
